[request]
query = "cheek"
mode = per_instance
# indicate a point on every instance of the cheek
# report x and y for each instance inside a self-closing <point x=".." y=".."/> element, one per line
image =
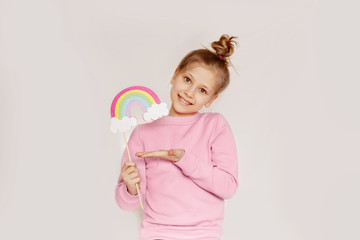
<point x="180" y="83"/>
<point x="201" y="100"/>
<point x="180" y="86"/>
<point x="172" y="91"/>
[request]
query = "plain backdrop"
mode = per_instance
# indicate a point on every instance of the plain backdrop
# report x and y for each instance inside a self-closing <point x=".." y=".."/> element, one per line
<point x="293" y="108"/>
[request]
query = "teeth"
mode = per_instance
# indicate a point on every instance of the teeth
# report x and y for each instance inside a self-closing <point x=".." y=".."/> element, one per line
<point x="184" y="101"/>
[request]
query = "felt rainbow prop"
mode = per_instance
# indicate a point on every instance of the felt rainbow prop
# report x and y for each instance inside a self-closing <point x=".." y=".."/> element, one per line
<point x="136" y="95"/>
<point x="149" y="102"/>
<point x="121" y="119"/>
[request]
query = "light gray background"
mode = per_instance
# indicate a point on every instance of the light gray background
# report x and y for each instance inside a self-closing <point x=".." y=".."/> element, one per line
<point x="293" y="108"/>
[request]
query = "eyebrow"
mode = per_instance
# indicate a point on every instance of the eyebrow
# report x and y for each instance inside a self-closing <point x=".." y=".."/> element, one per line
<point x="204" y="86"/>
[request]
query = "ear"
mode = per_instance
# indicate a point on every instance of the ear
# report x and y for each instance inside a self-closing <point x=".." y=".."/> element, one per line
<point x="173" y="78"/>
<point x="210" y="101"/>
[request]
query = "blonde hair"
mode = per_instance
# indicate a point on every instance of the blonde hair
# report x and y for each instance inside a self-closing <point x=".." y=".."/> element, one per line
<point x="217" y="59"/>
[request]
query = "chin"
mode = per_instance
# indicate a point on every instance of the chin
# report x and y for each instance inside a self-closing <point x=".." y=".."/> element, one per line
<point x="180" y="111"/>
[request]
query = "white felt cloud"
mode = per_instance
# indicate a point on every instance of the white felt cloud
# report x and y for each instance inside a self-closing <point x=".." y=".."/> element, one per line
<point x="122" y="125"/>
<point x="156" y="111"/>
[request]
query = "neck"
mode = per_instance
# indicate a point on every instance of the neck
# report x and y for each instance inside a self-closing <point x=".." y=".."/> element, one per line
<point x="173" y="113"/>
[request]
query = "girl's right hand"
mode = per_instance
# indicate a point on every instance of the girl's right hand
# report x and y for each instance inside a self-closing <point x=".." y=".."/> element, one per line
<point x="130" y="175"/>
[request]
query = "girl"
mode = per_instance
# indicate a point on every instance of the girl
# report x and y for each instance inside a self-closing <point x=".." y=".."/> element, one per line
<point x="186" y="162"/>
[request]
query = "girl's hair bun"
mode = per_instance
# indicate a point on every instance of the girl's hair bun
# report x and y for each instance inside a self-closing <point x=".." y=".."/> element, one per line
<point x="225" y="45"/>
<point x="216" y="59"/>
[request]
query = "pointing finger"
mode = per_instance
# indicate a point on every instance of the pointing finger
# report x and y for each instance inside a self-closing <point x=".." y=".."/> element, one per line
<point x="160" y="153"/>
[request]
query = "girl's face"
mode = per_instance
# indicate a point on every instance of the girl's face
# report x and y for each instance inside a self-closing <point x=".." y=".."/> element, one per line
<point x="192" y="89"/>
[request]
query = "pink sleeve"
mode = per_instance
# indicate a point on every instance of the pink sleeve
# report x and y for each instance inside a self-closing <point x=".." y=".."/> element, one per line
<point x="123" y="198"/>
<point x="220" y="176"/>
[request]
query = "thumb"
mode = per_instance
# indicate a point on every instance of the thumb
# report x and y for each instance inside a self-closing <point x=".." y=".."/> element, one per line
<point x="171" y="152"/>
<point x="175" y="152"/>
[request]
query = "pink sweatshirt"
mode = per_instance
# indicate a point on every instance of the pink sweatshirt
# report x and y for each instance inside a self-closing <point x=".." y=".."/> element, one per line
<point x="183" y="200"/>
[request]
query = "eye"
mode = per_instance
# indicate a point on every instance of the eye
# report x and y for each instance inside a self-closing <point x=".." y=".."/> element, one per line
<point x="187" y="79"/>
<point x="203" y="90"/>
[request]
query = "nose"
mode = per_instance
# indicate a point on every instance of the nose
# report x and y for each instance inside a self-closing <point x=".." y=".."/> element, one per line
<point x="190" y="91"/>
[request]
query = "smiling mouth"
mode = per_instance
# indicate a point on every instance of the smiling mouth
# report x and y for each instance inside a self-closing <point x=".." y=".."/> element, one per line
<point x="182" y="100"/>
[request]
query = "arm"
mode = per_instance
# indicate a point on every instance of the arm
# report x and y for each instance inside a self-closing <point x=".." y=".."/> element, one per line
<point x="123" y="198"/>
<point x="220" y="176"/>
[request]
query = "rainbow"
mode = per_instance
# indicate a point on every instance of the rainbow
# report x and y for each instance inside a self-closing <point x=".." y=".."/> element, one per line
<point x="127" y="98"/>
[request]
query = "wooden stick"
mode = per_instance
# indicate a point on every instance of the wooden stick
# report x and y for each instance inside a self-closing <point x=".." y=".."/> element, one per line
<point x="137" y="185"/>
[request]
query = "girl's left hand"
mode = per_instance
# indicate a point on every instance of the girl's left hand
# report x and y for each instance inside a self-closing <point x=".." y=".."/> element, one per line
<point x="173" y="154"/>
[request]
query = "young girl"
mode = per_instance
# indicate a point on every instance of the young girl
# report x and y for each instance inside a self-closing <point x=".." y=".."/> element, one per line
<point x="185" y="163"/>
